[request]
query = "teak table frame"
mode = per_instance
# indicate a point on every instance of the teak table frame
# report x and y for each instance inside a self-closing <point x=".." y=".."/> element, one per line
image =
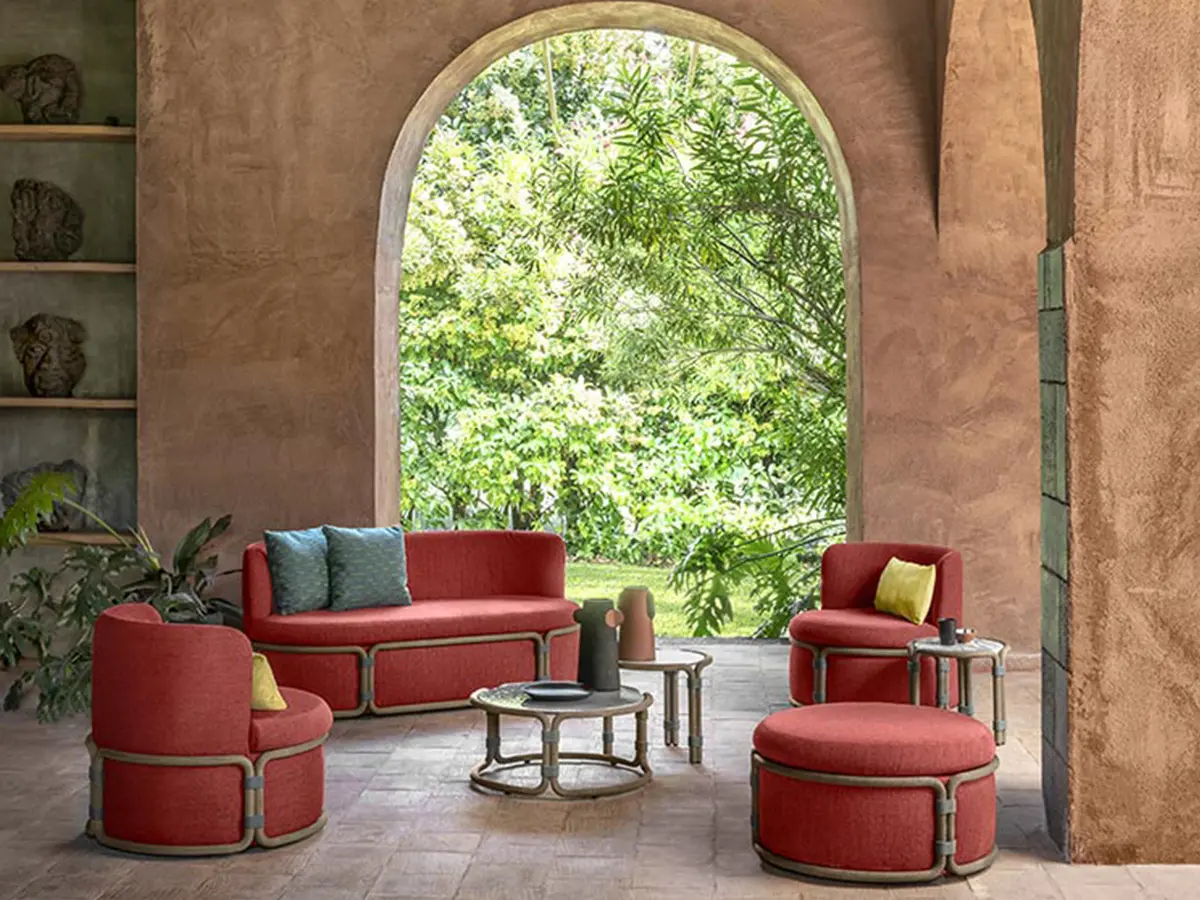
<point x="367" y="657"/>
<point x="945" y="807"/>
<point x="692" y="669"/>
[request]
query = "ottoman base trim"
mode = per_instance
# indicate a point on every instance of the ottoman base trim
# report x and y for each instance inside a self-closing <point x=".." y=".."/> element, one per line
<point x="945" y="811"/>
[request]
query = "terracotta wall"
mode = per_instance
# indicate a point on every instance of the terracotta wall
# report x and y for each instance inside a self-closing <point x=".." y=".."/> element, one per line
<point x="1133" y="326"/>
<point x="265" y="132"/>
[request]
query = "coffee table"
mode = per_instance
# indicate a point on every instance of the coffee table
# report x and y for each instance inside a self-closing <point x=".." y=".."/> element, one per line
<point x="978" y="648"/>
<point x="511" y="700"/>
<point x="671" y="661"/>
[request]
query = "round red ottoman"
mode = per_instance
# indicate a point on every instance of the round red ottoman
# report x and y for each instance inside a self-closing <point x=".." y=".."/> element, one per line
<point x="874" y="792"/>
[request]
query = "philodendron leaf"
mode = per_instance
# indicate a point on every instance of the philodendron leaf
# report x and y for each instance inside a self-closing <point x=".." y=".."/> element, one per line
<point x="33" y="505"/>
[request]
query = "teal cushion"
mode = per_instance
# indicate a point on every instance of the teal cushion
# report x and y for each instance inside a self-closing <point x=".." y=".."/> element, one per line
<point x="299" y="572"/>
<point x="366" y="567"/>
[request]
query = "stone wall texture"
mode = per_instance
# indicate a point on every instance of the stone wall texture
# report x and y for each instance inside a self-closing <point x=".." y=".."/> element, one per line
<point x="265" y="134"/>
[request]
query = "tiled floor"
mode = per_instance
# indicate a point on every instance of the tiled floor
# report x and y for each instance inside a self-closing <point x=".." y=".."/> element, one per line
<point x="404" y="823"/>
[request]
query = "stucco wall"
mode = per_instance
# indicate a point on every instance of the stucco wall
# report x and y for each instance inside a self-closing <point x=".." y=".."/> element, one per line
<point x="1133" y="312"/>
<point x="266" y="129"/>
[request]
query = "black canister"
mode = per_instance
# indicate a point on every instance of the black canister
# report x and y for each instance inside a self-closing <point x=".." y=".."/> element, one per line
<point x="948" y="631"/>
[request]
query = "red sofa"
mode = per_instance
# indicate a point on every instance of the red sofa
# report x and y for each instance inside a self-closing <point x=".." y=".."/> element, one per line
<point x="488" y="607"/>
<point x="181" y="766"/>
<point x="847" y="650"/>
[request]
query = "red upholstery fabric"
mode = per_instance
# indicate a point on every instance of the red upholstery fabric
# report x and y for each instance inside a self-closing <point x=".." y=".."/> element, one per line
<point x="856" y="628"/>
<point x="293" y="792"/>
<point x="173" y="806"/>
<point x="877" y="828"/>
<point x="175" y="690"/>
<point x="435" y="674"/>
<point x="864" y="678"/>
<point x="331" y="676"/>
<point x="424" y="620"/>
<point x="874" y="739"/>
<point x="306" y="718"/>
<point x="850" y="574"/>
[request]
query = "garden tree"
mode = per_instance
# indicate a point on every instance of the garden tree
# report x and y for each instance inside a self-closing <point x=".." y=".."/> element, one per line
<point x="629" y="327"/>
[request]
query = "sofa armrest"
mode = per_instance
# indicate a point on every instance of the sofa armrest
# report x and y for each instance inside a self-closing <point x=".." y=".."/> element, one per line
<point x="256" y="587"/>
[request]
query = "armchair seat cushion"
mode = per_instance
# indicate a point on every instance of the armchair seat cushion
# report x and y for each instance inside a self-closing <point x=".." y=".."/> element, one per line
<point x="306" y="718"/>
<point x="423" y="620"/>
<point x="855" y="628"/>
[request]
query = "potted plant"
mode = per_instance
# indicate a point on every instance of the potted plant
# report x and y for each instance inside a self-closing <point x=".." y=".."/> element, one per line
<point x="48" y="616"/>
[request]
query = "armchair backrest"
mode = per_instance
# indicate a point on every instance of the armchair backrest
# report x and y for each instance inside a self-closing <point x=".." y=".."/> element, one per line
<point x="171" y="690"/>
<point x="850" y="574"/>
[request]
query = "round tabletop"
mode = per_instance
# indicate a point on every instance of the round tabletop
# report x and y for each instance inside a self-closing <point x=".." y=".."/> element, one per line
<point x="511" y="700"/>
<point x="668" y="659"/>
<point x="980" y="646"/>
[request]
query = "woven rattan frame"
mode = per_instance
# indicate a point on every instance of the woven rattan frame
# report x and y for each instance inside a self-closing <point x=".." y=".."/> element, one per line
<point x="945" y="814"/>
<point x="820" y="664"/>
<point x="366" y="665"/>
<point x="254" y="781"/>
<point x="550" y="755"/>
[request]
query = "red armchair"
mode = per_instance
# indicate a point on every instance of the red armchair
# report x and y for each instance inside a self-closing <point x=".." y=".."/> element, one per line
<point x="181" y="766"/>
<point x="848" y="651"/>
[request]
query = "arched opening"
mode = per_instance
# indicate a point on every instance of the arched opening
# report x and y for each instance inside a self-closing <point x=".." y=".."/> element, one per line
<point x="406" y="155"/>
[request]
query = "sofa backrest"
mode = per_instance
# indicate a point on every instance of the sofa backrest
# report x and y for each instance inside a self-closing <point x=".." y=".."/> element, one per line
<point x="850" y="575"/>
<point x="173" y="690"/>
<point x="447" y="565"/>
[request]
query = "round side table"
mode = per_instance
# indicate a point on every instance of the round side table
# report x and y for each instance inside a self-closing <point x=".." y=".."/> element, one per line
<point x="671" y="661"/>
<point x="511" y="700"/>
<point x="964" y="653"/>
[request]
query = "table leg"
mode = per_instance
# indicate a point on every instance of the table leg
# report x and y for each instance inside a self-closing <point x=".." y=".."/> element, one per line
<point x="695" y="719"/>
<point x="999" y="726"/>
<point x="943" y="683"/>
<point x="607" y="735"/>
<point x="493" y="737"/>
<point x="965" y="706"/>
<point x="671" y="709"/>
<point x="550" y="736"/>
<point x="914" y="679"/>
<point x="642" y="744"/>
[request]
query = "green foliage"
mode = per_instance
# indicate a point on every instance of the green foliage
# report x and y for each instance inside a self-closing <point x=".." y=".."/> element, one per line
<point x="32" y="506"/>
<point x="628" y="328"/>
<point x="50" y="614"/>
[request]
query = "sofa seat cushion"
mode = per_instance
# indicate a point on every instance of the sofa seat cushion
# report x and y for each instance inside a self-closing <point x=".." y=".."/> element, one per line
<point x="891" y="739"/>
<point x="855" y="628"/>
<point x="306" y="718"/>
<point x="423" y="620"/>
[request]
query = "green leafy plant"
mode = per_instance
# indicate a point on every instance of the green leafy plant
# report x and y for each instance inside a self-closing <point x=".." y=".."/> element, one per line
<point x="49" y="615"/>
<point x="780" y="571"/>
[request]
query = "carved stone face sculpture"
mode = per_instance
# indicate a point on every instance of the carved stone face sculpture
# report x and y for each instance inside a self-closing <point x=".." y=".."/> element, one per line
<point x="48" y="89"/>
<point x="50" y="351"/>
<point x="64" y="518"/>
<point x="47" y="222"/>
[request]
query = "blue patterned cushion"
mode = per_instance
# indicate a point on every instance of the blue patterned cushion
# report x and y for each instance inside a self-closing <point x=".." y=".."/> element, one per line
<point x="366" y="567"/>
<point x="299" y="572"/>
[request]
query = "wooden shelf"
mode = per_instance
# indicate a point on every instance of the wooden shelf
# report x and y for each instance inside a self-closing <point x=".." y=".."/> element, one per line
<point x="92" y="539"/>
<point x="66" y="403"/>
<point x="68" y="267"/>
<point x="110" y="133"/>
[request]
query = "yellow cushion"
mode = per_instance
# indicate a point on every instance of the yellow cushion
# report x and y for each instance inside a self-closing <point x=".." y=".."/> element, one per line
<point x="264" y="692"/>
<point x="906" y="590"/>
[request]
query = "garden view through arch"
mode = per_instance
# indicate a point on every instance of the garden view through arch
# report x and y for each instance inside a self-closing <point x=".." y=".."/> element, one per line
<point x="634" y="16"/>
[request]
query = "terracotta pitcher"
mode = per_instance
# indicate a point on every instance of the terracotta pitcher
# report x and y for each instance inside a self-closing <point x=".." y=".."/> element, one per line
<point x="598" y="623"/>
<point x="637" y="627"/>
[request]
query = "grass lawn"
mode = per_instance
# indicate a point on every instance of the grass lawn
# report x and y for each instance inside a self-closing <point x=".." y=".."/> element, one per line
<point x="588" y="580"/>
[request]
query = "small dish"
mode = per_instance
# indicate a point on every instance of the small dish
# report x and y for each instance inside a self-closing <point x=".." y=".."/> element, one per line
<point x="557" y="691"/>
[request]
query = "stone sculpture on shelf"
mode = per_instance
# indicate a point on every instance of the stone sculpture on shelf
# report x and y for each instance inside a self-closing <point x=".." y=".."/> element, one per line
<point x="50" y="351"/>
<point x="49" y="89"/>
<point x="598" y="623"/>
<point x="64" y="517"/>
<point x="637" y="627"/>
<point x="47" y="222"/>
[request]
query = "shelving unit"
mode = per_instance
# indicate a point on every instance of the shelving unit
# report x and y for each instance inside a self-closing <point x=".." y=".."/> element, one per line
<point x="126" y="133"/>
<point x="63" y="538"/>
<point x="96" y="164"/>
<point x="70" y="267"/>
<point x="67" y="403"/>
